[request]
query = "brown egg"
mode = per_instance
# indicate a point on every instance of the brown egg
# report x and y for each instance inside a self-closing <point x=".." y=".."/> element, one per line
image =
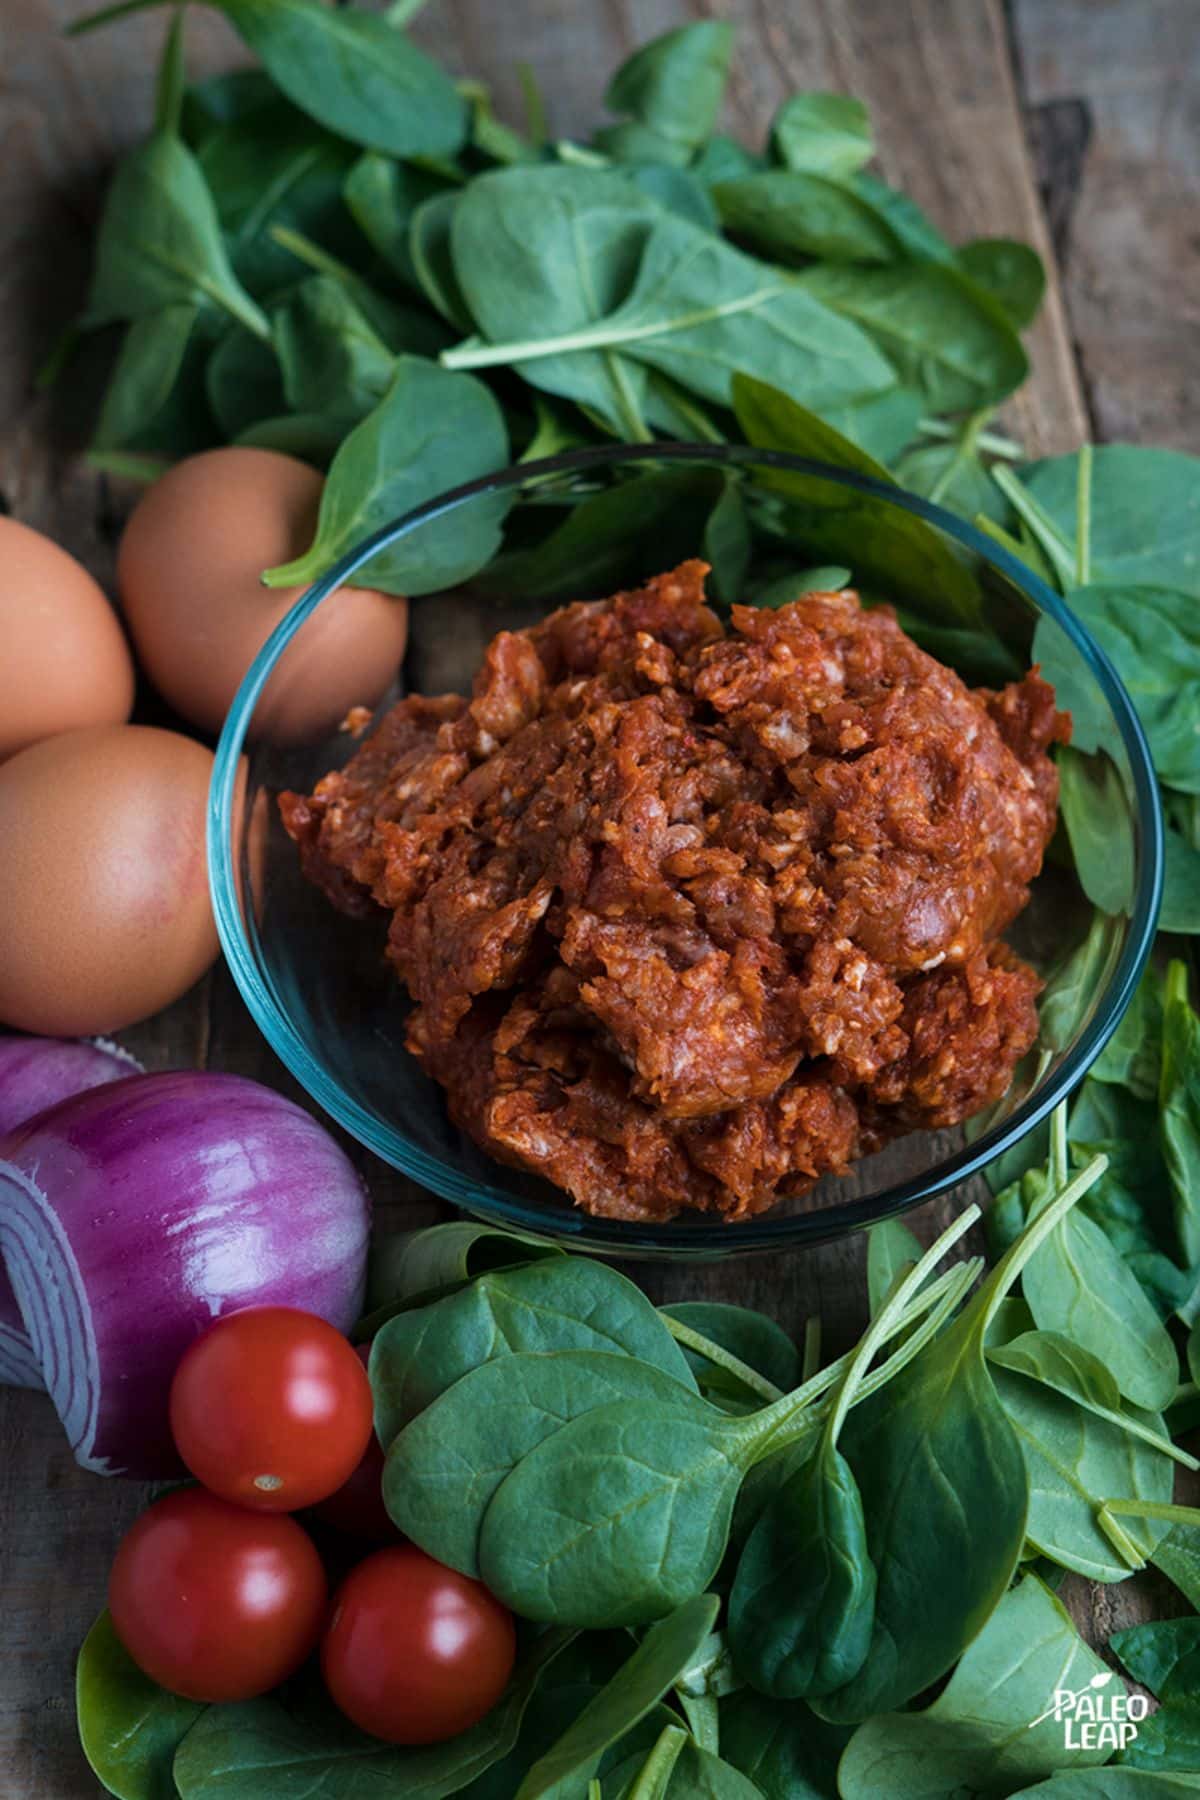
<point x="63" y="657"/>
<point x="104" y="908"/>
<point x="188" y="573"/>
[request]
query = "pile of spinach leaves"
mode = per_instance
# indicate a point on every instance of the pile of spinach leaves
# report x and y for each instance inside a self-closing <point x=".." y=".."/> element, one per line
<point x="344" y="255"/>
<point x="767" y="1585"/>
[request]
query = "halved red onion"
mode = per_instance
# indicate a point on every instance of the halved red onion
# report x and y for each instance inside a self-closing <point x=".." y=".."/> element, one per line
<point x="133" y="1215"/>
<point x="36" y="1073"/>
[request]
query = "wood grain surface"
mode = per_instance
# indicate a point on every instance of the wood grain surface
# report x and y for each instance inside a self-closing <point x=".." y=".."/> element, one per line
<point x="1071" y="123"/>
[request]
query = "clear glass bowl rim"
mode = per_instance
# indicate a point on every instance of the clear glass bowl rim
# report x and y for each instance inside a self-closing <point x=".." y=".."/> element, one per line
<point x="634" y="1238"/>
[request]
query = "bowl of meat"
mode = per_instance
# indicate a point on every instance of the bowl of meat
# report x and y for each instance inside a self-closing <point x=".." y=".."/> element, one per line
<point x="711" y="878"/>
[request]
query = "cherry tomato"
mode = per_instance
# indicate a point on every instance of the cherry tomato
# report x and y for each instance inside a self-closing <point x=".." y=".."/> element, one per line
<point x="214" y="1602"/>
<point x="357" y="1508"/>
<point x="271" y="1408"/>
<point x="415" y="1652"/>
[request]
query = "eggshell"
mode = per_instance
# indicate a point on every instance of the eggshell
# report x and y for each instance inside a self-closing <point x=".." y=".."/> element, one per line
<point x="104" y="907"/>
<point x="188" y="572"/>
<point x="63" y="657"/>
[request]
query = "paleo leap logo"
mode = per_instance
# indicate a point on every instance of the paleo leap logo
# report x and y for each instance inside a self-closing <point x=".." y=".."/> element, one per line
<point x="1092" y="1720"/>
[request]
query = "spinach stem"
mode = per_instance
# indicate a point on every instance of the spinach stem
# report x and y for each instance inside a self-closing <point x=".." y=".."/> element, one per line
<point x="1007" y="1270"/>
<point x="724" y="1359"/>
<point x="651" y="1780"/>
<point x="1083" y="517"/>
<point x="1046" y="533"/>
<point x="307" y="252"/>
<point x="884" y="1324"/>
<point x="1119" y="1538"/>
<point x="604" y="336"/>
<point x="107" y="14"/>
<point x="989" y="441"/>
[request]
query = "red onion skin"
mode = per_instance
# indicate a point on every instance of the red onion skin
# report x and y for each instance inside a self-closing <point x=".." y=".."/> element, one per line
<point x="36" y="1073"/>
<point x="178" y="1197"/>
<point x="39" y="1072"/>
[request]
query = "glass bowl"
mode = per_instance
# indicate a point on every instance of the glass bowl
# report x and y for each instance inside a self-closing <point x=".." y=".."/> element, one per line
<point x="582" y="525"/>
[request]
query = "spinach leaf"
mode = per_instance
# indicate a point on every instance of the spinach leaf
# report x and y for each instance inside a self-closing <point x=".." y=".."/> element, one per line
<point x="1012" y="273"/>
<point x="431" y="254"/>
<point x="953" y="475"/>
<point x="447" y="1463"/>
<point x="892" y="1250"/>
<point x="353" y="73"/>
<point x="219" y="99"/>
<point x="674" y="84"/>
<point x="650" y="1673"/>
<point x="1112" y="1784"/>
<point x="406" y="1265"/>
<point x="787" y="1751"/>
<point x="431" y="430"/>
<point x="823" y="134"/>
<point x="1170" y="1737"/>
<point x="145" y="373"/>
<point x="268" y="1750"/>
<point x="1178" y="1557"/>
<point x="331" y="356"/>
<point x="383" y="195"/>
<point x="1153" y="1651"/>
<point x="790" y="215"/>
<point x="1070" y="995"/>
<point x="633" y="144"/>
<point x="678" y="191"/>
<point x="701" y="1775"/>
<point x="243" y="381"/>
<point x="1074" y="1459"/>
<point x="160" y="243"/>
<point x="989" y="1730"/>
<point x="313" y="437"/>
<point x="1179" y="1108"/>
<point x="932" y="1452"/>
<point x="129" y="1727"/>
<point x="1132" y="1057"/>
<point x="615" y="538"/>
<point x="920" y="237"/>
<point x="881" y="424"/>
<point x="1060" y="1363"/>
<point x="620" y="1516"/>
<point x="1152" y="636"/>
<point x="611" y="285"/>
<point x="1094" y="806"/>
<point x="558" y="249"/>
<point x="883" y="544"/>
<point x="1078" y="1285"/>
<point x="1181" y="885"/>
<point x="750" y="1337"/>
<point x="783" y="589"/>
<point x="1145" y="515"/>
<point x="945" y="337"/>
<point x="723" y="158"/>
<point x="559" y="1303"/>
<point x="625" y="1512"/>
<point x="276" y="168"/>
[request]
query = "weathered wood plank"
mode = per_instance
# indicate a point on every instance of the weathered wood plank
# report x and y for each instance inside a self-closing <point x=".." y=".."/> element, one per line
<point x="1114" y="111"/>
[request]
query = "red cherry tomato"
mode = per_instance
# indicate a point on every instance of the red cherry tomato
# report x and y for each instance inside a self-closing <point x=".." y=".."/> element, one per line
<point x="357" y="1508"/>
<point x="214" y="1602"/>
<point x="415" y="1652"/>
<point x="271" y="1408"/>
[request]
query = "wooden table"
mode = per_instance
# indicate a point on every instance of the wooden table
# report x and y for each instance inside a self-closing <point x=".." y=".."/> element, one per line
<point x="1072" y="123"/>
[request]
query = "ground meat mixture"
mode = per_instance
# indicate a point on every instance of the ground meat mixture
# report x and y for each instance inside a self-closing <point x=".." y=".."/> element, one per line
<point x="693" y="915"/>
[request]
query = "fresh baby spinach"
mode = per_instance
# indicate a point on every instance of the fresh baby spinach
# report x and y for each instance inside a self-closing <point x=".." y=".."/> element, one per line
<point x="145" y="373"/>
<point x="993" y="1727"/>
<point x="787" y="1752"/>
<point x="823" y="134"/>
<point x="447" y="1463"/>
<point x="407" y="1266"/>
<point x="638" y="1685"/>
<point x="160" y="242"/>
<point x="790" y="215"/>
<point x="1179" y="1108"/>
<point x="732" y="1350"/>
<point x="289" y="1748"/>
<point x="431" y="429"/>
<point x="932" y="1452"/>
<point x="892" y="1250"/>
<point x="944" y="336"/>
<point x="556" y="1303"/>
<point x="1012" y="273"/>
<point x="129" y="1727"/>
<point x="673" y="86"/>
<point x="1144" y="515"/>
